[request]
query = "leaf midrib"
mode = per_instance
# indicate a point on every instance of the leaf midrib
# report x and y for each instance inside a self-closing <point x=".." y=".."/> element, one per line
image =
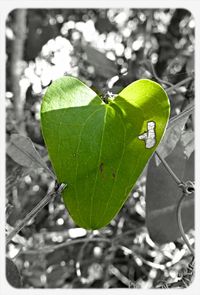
<point x="76" y="169"/>
<point x="120" y="162"/>
<point x="100" y="153"/>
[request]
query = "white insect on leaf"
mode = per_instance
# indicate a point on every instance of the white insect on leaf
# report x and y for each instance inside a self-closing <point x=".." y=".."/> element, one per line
<point x="150" y="136"/>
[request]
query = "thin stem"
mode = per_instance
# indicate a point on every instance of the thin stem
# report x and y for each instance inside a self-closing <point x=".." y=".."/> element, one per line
<point x="157" y="78"/>
<point x="80" y="257"/>
<point x="49" y="249"/>
<point x="172" y="88"/>
<point x="49" y="197"/>
<point x="171" y="172"/>
<point x="180" y="225"/>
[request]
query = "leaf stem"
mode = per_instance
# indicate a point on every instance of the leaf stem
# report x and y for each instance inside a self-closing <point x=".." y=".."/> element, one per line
<point x="49" y="197"/>
<point x="171" y="172"/>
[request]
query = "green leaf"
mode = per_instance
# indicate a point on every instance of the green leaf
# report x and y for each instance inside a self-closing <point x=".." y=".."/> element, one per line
<point x="162" y="195"/>
<point x="97" y="148"/>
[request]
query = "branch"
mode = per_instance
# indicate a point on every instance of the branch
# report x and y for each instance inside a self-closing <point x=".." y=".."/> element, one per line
<point x="49" y="197"/>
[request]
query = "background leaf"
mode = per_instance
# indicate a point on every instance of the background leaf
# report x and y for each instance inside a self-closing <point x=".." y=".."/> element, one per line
<point x="187" y="140"/>
<point x="173" y="133"/>
<point x="162" y="195"/>
<point x="22" y="151"/>
<point x="12" y="274"/>
<point x="103" y="66"/>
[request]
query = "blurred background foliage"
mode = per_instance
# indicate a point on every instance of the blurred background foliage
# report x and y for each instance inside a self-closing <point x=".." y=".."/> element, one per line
<point x="107" y="49"/>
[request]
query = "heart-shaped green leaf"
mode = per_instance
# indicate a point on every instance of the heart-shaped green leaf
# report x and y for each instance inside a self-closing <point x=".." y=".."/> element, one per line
<point x="100" y="149"/>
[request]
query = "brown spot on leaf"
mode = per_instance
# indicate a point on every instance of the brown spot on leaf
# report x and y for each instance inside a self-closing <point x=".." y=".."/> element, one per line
<point x="113" y="174"/>
<point x="101" y="167"/>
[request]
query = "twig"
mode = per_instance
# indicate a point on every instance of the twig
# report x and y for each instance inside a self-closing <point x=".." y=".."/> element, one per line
<point x="157" y="78"/>
<point x="80" y="257"/>
<point x="50" y="196"/>
<point x="180" y="225"/>
<point x="174" y="87"/>
<point x="119" y="275"/>
<point x="49" y="249"/>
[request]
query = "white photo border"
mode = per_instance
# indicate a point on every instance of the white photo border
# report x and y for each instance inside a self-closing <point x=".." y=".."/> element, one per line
<point x="6" y="6"/>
